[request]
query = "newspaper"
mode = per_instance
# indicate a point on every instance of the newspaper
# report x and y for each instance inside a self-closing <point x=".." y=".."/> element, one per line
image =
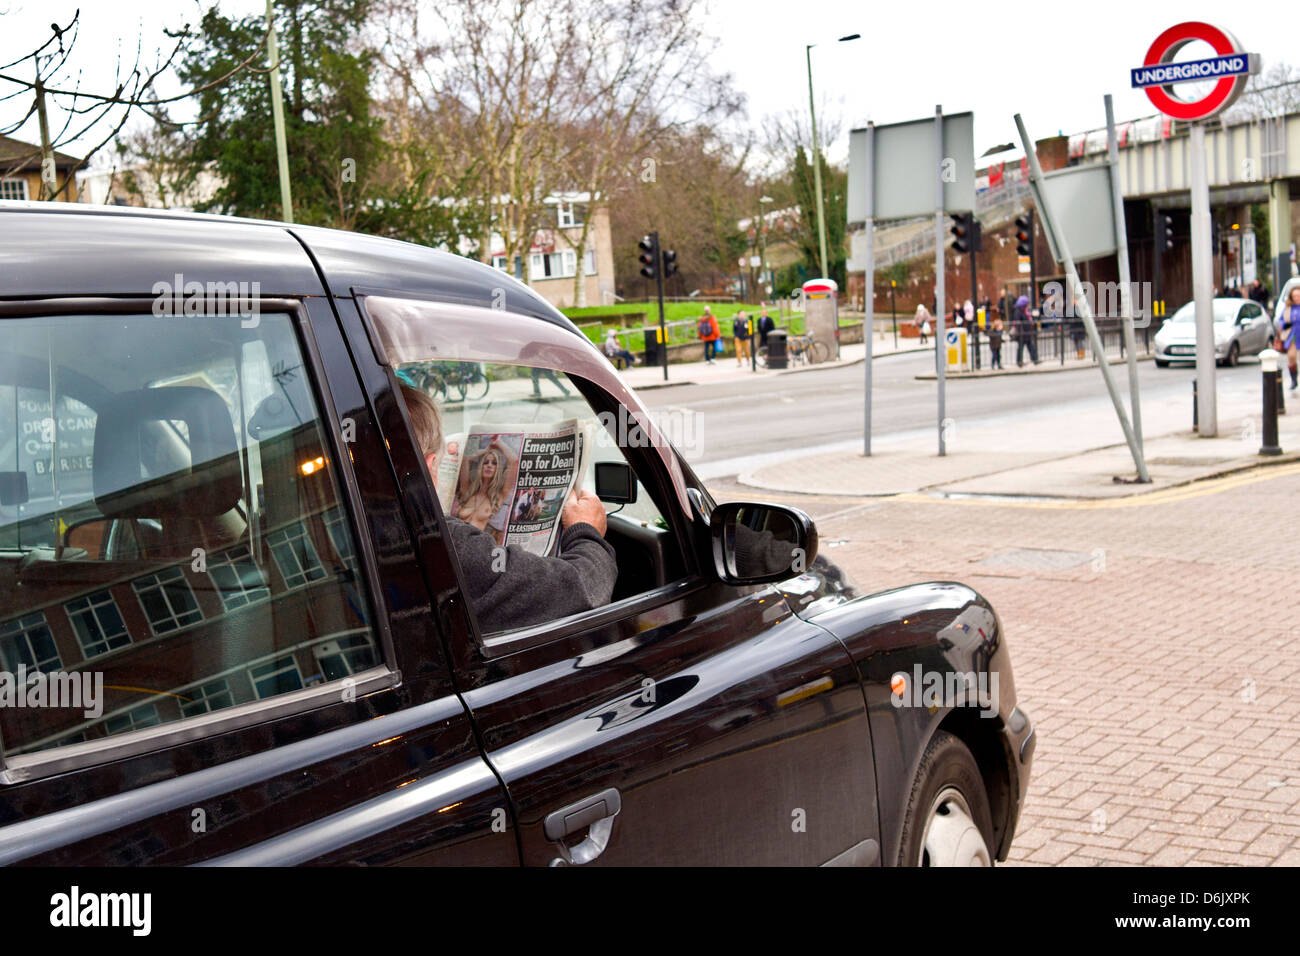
<point x="512" y="480"/>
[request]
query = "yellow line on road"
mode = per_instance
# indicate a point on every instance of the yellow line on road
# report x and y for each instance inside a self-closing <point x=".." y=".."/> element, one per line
<point x="1210" y="486"/>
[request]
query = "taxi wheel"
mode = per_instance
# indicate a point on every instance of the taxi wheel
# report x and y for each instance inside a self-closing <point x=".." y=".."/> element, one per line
<point x="947" y="821"/>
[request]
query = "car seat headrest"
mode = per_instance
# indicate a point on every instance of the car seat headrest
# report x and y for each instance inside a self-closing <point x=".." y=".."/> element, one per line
<point x="209" y="486"/>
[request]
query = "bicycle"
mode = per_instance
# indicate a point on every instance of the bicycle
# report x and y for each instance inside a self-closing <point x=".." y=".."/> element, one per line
<point x="806" y="349"/>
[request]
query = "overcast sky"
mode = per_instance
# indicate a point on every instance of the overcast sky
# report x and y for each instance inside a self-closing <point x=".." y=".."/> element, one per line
<point x="1051" y="63"/>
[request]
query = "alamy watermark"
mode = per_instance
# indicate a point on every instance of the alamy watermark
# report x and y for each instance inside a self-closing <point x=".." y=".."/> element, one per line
<point x="181" y="298"/>
<point x="1105" y="300"/>
<point x="935" y="689"/>
<point x="82" y="691"/>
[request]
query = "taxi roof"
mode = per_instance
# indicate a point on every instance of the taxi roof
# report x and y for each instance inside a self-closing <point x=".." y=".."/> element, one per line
<point x="53" y="249"/>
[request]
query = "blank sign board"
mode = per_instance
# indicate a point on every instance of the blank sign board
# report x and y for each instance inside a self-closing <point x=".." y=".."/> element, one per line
<point x="1082" y="207"/>
<point x="904" y="166"/>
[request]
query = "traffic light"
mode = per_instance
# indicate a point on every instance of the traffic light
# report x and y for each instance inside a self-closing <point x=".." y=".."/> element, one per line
<point x="961" y="231"/>
<point x="1025" y="234"/>
<point x="649" y="253"/>
<point x="1167" y="231"/>
<point x="670" y="263"/>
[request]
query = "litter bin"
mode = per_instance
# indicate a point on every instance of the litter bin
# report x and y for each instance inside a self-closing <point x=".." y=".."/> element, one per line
<point x="652" y="356"/>
<point x="777" y="356"/>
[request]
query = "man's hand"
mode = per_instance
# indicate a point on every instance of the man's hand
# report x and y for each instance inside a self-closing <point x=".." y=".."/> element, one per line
<point x="583" y="507"/>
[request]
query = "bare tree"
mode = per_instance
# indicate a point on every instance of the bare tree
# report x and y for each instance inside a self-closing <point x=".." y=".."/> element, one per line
<point x="644" y="77"/>
<point x="87" y="113"/>
<point x="1274" y="91"/>
<point x="492" y="75"/>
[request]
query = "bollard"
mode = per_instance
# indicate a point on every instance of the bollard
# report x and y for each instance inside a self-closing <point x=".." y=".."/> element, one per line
<point x="1196" y="427"/>
<point x="1281" y="395"/>
<point x="1272" y="379"/>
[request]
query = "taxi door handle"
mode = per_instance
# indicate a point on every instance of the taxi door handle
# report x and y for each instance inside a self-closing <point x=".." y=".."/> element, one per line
<point x="595" y="814"/>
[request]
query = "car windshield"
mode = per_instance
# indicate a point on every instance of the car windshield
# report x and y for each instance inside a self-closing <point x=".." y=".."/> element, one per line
<point x="1224" y="311"/>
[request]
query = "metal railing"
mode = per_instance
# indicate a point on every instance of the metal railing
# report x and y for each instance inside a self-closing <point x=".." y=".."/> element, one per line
<point x="1056" y="341"/>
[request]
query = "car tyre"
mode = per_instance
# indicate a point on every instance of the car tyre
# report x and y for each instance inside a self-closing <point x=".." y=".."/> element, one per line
<point x="1234" y="353"/>
<point x="947" y="822"/>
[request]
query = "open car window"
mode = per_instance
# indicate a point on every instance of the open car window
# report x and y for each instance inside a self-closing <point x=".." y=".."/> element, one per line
<point x="173" y="542"/>
<point x="523" y="421"/>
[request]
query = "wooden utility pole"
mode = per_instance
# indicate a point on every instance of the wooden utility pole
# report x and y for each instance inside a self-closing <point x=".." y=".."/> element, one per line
<point x="49" y="178"/>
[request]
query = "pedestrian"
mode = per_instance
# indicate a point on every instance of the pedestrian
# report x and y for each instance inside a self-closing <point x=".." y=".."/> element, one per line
<point x="1022" y="323"/>
<point x="765" y="325"/>
<point x="995" y="342"/>
<point x="922" y="322"/>
<point x="740" y="336"/>
<point x="615" y="351"/>
<point x="1258" y="292"/>
<point x="537" y="378"/>
<point x="968" y="311"/>
<point x="1288" y="319"/>
<point x="709" y="335"/>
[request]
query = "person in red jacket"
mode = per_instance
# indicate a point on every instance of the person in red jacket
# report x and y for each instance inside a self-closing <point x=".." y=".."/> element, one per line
<point x="709" y="334"/>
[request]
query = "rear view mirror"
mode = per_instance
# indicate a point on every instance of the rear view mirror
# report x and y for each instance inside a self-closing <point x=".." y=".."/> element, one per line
<point x="759" y="543"/>
<point x="13" y="488"/>
<point x="615" y="482"/>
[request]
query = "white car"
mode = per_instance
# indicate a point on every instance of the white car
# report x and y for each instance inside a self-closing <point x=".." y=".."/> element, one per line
<point x="1241" y="327"/>
<point x="1283" y="297"/>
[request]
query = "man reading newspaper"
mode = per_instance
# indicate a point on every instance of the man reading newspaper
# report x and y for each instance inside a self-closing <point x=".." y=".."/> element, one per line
<point x="510" y="585"/>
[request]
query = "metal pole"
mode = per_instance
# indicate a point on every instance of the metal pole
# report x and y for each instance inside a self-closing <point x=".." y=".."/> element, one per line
<point x="1202" y="279"/>
<point x="869" y="292"/>
<point x="1125" y="290"/>
<point x="893" y="311"/>
<point x="817" y="169"/>
<point x="277" y="113"/>
<point x="659" y="284"/>
<point x="1076" y="287"/>
<point x="973" y="326"/>
<point x="940" y="308"/>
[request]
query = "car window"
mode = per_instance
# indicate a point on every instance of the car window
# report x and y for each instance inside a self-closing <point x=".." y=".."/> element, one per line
<point x="172" y="537"/>
<point x="1251" y="310"/>
<point x="512" y="436"/>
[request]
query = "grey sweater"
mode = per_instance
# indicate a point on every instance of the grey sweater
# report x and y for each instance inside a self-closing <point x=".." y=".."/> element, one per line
<point x="526" y="588"/>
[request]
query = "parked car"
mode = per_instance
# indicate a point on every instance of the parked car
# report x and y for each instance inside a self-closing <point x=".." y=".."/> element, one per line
<point x="1241" y="327"/>
<point x="216" y="527"/>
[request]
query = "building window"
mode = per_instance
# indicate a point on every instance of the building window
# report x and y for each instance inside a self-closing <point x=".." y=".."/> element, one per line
<point x="569" y="215"/>
<point x="98" y="623"/>
<point x="167" y="600"/>
<point x="278" y="676"/>
<point x="145" y="715"/>
<point x="554" y="265"/>
<point x="500" y="262"/>
<point x="591" y="261"/>
<point x="27" y="641"/>
<point x="341" y="537"/>
<point x="207" y="697"/>
<point x="238" y="580"/>
<point x="345" y="655"/>
<point x="13" y="189"/>
<point x="295" y="556"/>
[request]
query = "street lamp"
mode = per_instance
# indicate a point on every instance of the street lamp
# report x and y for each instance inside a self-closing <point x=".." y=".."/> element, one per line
<point x="816" y="158"/>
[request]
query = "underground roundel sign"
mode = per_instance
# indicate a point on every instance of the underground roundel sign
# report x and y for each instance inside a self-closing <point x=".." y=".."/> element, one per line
<point x="1229" y="68"/>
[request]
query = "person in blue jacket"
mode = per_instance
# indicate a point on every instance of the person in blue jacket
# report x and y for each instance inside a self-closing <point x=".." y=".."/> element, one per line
<point x="1288" y="327"/>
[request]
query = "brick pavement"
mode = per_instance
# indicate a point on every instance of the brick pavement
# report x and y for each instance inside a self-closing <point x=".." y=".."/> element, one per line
<point x="1161" y="672"/>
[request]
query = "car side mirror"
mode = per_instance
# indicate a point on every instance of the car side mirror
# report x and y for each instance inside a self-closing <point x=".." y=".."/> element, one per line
<point x="615" y="482"/>
<point x="757" y="543"/>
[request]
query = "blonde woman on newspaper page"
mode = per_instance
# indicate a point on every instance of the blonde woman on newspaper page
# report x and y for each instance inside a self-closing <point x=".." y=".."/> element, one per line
<point x="481" y="501"/>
